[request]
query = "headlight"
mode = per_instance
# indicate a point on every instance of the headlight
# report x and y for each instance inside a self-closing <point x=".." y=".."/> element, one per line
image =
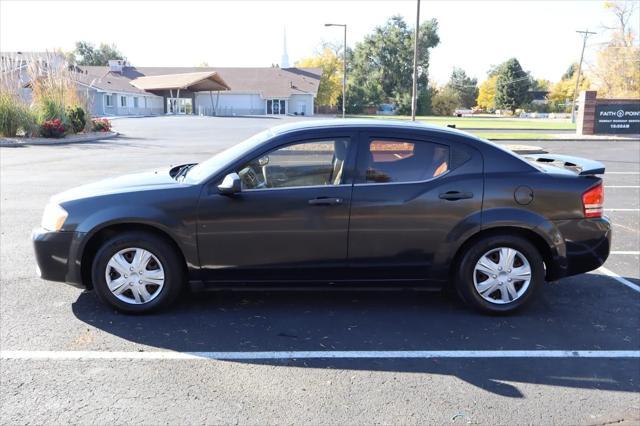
<point x="53" y="217"/>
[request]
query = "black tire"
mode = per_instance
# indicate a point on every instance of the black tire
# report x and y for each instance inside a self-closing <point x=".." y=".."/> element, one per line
<point x="161" y="249"/>
<point x="464" y="278"/>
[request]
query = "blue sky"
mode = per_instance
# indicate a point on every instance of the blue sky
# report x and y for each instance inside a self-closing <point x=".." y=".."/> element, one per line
<point x="474" y="34"/>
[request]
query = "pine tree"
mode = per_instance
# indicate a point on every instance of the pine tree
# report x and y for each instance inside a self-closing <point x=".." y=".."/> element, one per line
<point x="512" y="86"/>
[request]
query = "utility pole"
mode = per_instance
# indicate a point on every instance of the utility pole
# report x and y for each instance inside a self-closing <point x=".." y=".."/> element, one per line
<point x="344" y="66"/>
<point x="585" y="34"/>
<point x="414" y="91"/>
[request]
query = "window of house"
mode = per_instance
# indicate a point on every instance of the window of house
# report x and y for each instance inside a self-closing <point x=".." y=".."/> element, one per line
<point x="108" y="100"/>
<point x="390" y="161"/>
<point x="135" y="102"/>
<point x="303" y="164"/>
<point x="123" y="101"/>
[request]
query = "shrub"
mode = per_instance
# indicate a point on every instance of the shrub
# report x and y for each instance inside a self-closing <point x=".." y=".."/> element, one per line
<point x="54" y="91"/>
<point x="77" y="118"/>
<point x="444" y="102"/>
<point x="52" y="128"/>
<point x="14" y="116"/>
<point x="100" y="125"/>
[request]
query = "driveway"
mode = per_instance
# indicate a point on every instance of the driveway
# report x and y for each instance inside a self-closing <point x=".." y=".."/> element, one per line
<point x="390" y="357"/>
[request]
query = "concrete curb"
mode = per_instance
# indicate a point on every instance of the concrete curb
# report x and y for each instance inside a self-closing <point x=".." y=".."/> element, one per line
<point x="13" y="143"/>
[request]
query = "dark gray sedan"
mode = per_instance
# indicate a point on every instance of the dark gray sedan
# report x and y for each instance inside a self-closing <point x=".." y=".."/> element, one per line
<point x="360" y="203"/>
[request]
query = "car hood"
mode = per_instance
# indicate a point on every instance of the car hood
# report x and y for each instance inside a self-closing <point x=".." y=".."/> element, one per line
<point x="149" y="180"/>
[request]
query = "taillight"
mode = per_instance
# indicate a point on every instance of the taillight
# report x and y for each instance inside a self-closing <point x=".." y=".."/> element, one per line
<point x="592" y="201"/>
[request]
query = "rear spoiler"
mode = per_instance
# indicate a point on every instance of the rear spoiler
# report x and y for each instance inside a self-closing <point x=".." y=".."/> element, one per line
<point x="582" y="166"/>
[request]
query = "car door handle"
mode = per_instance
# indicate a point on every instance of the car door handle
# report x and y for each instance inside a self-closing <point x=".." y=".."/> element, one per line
<point x="455" y="195"/>
<point x="325" y="201"/>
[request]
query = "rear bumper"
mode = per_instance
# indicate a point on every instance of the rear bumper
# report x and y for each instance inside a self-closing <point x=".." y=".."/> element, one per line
<point x="58" y="256"/>
<point x="587" y="243"/>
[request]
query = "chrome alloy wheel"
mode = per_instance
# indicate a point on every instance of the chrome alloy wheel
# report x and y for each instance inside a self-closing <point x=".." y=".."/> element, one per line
<point x="502" y="275"/>
<point x="134" y="275"/>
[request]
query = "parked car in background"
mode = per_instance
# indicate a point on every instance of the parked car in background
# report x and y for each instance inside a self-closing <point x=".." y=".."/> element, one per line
<point x="360" y="203"/>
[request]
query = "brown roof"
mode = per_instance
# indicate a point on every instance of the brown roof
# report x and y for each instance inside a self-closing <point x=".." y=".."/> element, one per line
<point x="103" y="79"/>
<point x="268" y="81"/>
<point x="195" y="81"/>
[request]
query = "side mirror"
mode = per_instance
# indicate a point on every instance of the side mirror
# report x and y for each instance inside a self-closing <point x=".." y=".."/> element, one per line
<point x="230" y="184"/>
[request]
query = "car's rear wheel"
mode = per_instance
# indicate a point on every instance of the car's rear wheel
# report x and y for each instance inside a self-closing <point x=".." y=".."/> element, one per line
<point x="499" y="273"/>
<point x="137" y="272"/>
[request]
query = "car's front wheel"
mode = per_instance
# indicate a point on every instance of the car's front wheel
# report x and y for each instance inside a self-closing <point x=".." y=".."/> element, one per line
<point x="499" y="273"/>
<point x="137" y="272"/>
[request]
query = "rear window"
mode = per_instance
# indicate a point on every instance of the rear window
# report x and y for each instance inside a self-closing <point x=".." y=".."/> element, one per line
<point x="395" y="161"/>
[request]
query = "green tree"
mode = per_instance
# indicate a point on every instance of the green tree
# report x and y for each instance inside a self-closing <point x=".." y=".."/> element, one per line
<point x="381" y="66"/>
<point x="86" y="53"/>
<point x="464" y="87"/>
<point x="573" y="68"/>
<point x="512" y="86"/>
<point x="330" y="60"/>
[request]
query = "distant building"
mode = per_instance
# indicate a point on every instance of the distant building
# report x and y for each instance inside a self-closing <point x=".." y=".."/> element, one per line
<point x="122" y="89"/>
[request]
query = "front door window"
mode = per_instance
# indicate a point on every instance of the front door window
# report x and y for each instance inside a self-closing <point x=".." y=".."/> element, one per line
<point x="276" y="106"/>
<point x="316" y="163"/>
<point x="179" y="106"/>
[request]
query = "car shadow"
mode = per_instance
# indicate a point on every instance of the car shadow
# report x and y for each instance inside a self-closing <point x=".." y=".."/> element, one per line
<point x="563" y="317"/>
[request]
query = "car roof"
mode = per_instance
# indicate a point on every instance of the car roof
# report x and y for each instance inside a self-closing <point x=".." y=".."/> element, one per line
<point x="365" y="123"/>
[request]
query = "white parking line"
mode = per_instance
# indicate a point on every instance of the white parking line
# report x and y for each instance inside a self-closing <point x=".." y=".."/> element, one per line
<point x="625" y="252"/>
<point x="622" y="186"/>
<point x="620" y="279"/>
<point x="622" y="210"/>
<point x="167" y="355"/>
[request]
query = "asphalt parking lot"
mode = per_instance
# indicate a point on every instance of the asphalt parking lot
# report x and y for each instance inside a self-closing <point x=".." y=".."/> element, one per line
<point x="138" y="369"/>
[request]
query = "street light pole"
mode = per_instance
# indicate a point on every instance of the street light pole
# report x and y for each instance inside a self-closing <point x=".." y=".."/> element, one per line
<point x="414" y="90"/>
<point x="585" y="35"/>
<point x="344" y="66"/>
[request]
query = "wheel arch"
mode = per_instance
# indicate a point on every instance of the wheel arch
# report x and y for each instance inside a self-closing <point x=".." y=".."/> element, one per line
<point x="99" y="236"/>
<point x="543" y="247"/>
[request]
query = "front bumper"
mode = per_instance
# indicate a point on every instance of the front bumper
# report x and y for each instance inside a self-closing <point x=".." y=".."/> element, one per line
<point x="587" y="242"/>
<point x="58" y="256"/>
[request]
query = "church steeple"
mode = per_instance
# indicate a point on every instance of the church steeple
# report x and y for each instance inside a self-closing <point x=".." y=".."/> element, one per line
<point x="284" y="62"/>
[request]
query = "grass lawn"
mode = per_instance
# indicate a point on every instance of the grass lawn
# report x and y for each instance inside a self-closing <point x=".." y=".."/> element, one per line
<point x="487" y="122"/>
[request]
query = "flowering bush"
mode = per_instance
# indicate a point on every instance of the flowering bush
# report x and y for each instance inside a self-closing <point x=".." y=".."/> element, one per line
<point x="101" y="125"/>
<point x="52" y="128"/>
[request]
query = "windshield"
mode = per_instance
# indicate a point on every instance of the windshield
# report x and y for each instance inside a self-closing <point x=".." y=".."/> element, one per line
<point x="215" y="164"/>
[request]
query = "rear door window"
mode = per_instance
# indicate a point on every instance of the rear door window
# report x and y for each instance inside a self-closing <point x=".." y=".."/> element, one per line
<point x="397" y="161"/>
